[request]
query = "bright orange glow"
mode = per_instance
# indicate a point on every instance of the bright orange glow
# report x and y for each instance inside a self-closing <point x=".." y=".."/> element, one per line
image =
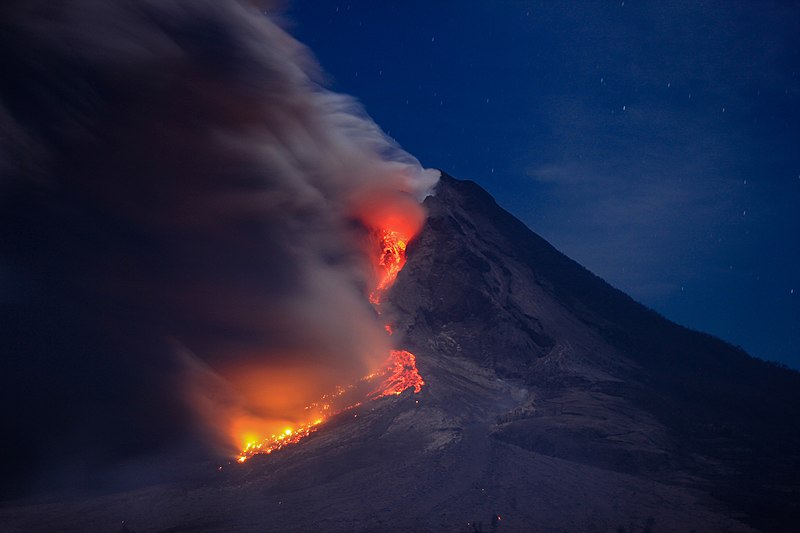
<point x="399" y="373"/>
<point x="391" y="261"/>
<point x="276" y="442"/>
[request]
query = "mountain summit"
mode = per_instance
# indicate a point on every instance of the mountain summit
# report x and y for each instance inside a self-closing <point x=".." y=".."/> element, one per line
<point x="608" y="383"/>
<point x="552" y="402"/>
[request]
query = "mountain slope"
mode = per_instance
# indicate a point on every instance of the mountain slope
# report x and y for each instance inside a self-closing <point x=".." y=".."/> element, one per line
<point x="553" y="402"/>
<point x="616" y="384"/>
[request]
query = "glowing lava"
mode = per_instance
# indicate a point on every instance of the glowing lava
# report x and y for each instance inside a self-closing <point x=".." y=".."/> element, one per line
<point x="276" y="442"/>
<point x="391" y="262"/>
<point x="402" y="374"/>
<point x="399" y="374"/>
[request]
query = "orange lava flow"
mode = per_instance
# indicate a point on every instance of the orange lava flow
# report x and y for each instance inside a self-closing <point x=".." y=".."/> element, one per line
<point x="402" y="375"/>
<point x="391" y="262"/>
<point x="276" y="442"/>
<point x="399" y="374"/>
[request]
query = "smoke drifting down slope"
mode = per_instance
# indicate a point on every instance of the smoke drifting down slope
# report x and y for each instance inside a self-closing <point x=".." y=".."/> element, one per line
<point x="188" y="223"/>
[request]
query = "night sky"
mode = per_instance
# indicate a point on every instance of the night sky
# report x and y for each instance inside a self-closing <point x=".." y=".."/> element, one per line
<point x="657" y="143"/>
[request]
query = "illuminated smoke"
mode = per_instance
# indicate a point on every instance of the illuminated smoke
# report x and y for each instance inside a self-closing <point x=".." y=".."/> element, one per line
<point x="187" y="226"/>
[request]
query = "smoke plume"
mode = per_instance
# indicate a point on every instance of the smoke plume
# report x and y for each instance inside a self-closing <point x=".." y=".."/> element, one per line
<point x="186" y="222"/>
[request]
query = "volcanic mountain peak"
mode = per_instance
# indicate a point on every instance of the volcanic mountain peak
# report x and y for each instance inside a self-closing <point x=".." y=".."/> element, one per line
<point x="552" y="402"/>
<point x="609" y="382"/>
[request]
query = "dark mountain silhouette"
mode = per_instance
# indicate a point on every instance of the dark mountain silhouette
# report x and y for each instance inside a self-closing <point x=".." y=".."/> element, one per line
<point x="553" y="402"/>
<point x="701" y="413"/>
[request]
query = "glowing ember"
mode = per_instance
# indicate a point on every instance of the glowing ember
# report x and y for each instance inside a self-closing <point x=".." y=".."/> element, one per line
<point x="399" y="374"/>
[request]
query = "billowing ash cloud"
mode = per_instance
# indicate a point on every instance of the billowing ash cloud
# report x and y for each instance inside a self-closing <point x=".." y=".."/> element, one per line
<point x="184" y="211"/>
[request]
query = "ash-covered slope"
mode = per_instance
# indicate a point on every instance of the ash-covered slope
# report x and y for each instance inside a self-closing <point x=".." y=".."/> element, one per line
<point x="553" y="402"/>
<point x="612" y="383"/>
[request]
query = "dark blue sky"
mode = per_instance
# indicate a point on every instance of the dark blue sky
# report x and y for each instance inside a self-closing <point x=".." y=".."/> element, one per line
<point x="657" y="143"/>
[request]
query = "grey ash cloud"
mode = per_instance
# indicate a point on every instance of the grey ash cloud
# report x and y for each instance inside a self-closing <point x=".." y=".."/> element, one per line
<point x="178" y="195"/>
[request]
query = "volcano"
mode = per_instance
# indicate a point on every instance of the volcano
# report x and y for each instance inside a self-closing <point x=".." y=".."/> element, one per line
<point x="551" y="402"/>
